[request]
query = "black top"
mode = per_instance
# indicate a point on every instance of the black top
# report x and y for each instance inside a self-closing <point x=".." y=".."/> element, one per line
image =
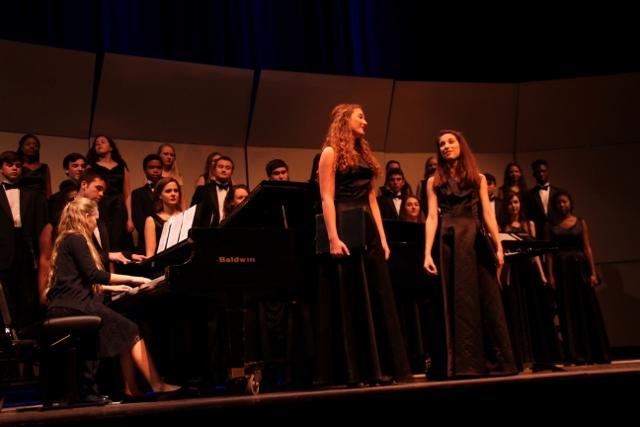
<point x="354" y="184"/>
<point x="35" y="179"/>
<point x="455" y="200"/>
<point x="114" y="176"/>
<point x="76" y="272"/>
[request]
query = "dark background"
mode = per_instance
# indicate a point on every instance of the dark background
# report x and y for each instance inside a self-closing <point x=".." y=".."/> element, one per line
<point x="397" y="39"/>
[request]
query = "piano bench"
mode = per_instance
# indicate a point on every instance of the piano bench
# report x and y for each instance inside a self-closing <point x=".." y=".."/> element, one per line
<point x="66" y="344"/>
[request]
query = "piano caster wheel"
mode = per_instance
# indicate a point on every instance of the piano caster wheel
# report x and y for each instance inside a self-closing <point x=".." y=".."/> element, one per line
<point x="252" y="385"/>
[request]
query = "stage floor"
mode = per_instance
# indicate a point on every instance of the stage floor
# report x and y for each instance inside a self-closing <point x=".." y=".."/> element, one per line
<point x="591" y="384"/>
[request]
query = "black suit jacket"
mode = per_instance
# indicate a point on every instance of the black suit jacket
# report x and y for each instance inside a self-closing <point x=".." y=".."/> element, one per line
<point x="535" y="210"/>
<point x="141" y="208"/>
<point x="33" y="213"/>
<point x="207" y="210"/>
<point x="387" y="207"/>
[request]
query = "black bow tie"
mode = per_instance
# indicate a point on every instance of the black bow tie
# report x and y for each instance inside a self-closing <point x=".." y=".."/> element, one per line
<point x="10" y="186"/>
<point x="544" y="187"/>
<point x="151" y="185"/>
<point x="221" y="186"/>
<point x="398" y="196"/>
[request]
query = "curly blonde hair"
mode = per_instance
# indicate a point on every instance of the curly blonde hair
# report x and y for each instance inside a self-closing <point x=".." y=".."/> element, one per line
<point x="348" y="149"/>
<point x="74" y="221"/>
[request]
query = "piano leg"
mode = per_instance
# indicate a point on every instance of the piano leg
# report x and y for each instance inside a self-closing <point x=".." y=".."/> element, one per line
<point x="241" y="341"/>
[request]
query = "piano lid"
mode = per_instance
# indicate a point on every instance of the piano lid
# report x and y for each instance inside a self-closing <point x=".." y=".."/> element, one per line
<point x="274" y="204"/>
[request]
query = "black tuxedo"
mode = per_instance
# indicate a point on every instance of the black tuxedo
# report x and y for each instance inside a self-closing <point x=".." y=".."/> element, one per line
<point x="141" y="208"/>
<point x="535" y="209"/>
<point x="387" y="207"/>
<point x="19" y="253"/>
<point x="33" y="213"/>
<point x="208" y="210"/>
<point x="386" y="204"/>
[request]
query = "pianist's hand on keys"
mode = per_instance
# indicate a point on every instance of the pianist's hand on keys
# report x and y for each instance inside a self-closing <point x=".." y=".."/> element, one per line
<point x="131" y="283"/>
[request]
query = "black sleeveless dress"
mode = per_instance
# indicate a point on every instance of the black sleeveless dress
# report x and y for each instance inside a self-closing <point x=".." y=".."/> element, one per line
<point x="477" y="337"/>
<point x="35" y="179"/>
<point x="529" y="308"/>
<point x="584" y="334"/>
<point x="113" y="209"/>
<point x="359" y="336"/>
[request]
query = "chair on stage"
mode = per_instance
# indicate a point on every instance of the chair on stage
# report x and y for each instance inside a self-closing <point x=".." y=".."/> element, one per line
<point x="56" y="346"/>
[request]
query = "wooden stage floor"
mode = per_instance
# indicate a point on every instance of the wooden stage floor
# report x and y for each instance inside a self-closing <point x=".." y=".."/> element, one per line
<point x="581" y="391"/>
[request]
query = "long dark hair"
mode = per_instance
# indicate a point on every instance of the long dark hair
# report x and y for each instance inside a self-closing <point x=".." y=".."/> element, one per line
<point x="506" y="180"/>
<point x="93" y="158"/>
<point x="466" y="168"/>
<point x="522" y="216"/>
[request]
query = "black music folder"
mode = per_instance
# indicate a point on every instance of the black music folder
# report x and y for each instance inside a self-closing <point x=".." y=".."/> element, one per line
<point x="351" y="230"/>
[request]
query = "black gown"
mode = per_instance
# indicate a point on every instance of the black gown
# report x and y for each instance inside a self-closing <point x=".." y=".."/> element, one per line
<point x="528" y="306"/>
<point x="113" y="209"/>
<point x="584" y="334"/>
<point x="35" y="179"/>
<point x="477" y="337"/>
<point x="359" y="336"/>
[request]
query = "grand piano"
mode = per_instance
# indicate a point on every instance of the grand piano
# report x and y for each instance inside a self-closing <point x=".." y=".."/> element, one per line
<point x="264" y="248"/>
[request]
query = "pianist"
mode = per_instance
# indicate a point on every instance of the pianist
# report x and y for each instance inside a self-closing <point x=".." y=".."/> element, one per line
<point x="76" y="280"/>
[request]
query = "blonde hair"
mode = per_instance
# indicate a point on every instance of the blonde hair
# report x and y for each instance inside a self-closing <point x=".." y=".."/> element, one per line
<point x="74" y="221"/>
<point x="347" y="148"/>
<point x="174" y="172"/>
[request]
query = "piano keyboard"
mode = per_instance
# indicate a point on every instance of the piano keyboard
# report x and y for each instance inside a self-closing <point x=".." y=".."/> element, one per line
<point x="142" y="289"/>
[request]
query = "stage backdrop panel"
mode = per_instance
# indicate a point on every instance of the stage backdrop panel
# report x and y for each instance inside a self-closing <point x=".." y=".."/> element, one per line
<point x="45" y="90"/>
<point x="159" y="100"/>
<point x="292" y="109"/>
<point x="579" y="112"/>
<point x="484" y="112"/>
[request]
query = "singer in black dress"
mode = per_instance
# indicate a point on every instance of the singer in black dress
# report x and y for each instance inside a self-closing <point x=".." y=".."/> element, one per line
<point x="572" y="272"/>
<point x="477" y="337"/>
<point x="359" y="336"/>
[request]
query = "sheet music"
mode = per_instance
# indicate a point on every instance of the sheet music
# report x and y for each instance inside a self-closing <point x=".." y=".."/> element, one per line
<point x="174" y="231"/>
<point x="162" y="244"/>
<point x="187" y="223"/>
